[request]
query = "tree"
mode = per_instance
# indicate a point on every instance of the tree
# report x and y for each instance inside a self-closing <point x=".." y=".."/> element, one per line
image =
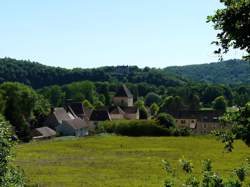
<point x="172" y="104"/>
<point x="23" y="104"/>
<point x="9" y="174"/>
<point x="87" y="104"/>
<point x="152" y="98"/>
<point x="154" y="108"/>
<point x="233" y="23"/>
<point x="165" y="120"/>
<point x="143" y="112"/>
<point x="54" y="94"/>
<point x="210" y="93"/>
<point x="220" y="103"/>
<point x="194" y="102"/>
<point x="240" y="123"/>
<point x="142" y="109"/>
<point x="79" y="91"/>
<point x="98" y="104"/>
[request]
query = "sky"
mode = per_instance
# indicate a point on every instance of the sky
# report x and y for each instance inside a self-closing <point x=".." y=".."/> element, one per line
<point x="94" y="33"/>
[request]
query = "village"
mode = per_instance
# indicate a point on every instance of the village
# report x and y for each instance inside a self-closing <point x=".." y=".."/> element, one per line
<point x="76" y="120"/>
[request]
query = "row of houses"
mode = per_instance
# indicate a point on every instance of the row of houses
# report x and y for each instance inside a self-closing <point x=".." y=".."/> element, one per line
<point x="75" y="120"/>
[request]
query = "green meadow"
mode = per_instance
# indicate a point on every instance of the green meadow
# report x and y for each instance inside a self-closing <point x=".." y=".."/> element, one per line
<point x="120" y="161"/>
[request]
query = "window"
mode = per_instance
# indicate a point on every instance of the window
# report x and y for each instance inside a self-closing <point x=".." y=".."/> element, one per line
<point x="183" y="121"/>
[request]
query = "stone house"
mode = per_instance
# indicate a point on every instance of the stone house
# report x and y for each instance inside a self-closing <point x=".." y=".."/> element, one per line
<point x="123" y="97"/>
<point x="200" y="122"/>
<point x="73" y="127"/>
<point x="131" y="112"/>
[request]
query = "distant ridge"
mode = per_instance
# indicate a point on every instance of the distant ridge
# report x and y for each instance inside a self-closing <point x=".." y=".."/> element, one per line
<point x="225" y="72"/>
<point x="38" y="75"/>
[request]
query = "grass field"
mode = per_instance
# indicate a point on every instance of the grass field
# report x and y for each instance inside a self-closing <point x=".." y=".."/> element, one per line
<point x="119" y="161"/>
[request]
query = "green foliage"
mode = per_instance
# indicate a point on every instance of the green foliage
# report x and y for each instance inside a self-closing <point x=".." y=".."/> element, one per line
<point x="211" y="93"/>
<point x="154" y="108"/>
<point x="23" y="106"/>
<point x="143" y="113"/>
<point x="233" y="25"/>
<point x="241" y="123"/>
<point x="54" y="94"/>
<point x="220" y="103"/>
<point x="226" y="137"/>
<point x="78" y="91"/>
<point x="9" y="174"/>
<point x="152" y="98"/>
<point x="39" y="76"/>
<point x="135" y="128"/>
<point x="98" y="104"/>
<point x="225" y="72"/>
<point x="166" y="120"/>
<point x="171" y="104"/>
<point x="208" y="178"/>
<point x="186" y="165"/>
<point x="87" y="104"/>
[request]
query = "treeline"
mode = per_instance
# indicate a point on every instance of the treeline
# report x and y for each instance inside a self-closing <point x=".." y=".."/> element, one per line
<point x="225" y="72"/>
<point x="26" y="108"/>
<point x="191" y="96"/>
<point x="37" y="75"/>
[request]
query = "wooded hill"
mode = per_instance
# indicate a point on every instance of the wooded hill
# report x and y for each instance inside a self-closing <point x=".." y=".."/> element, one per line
<point x="225" y="72"/>
<point x="38" y="75"/>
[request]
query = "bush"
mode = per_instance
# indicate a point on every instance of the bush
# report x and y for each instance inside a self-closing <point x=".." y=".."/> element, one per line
<point x="9" y="174"/>
<point x="207" y="178"/>
<point x="135" y="128"/>
<point x="166" y="120"/>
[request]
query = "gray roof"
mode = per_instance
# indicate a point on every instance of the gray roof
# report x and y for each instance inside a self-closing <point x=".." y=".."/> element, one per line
<point x="46" y="131"/>
<point x="76" y="123"/>
<point x="61" y="114"/>
<point x="123" y="91"/>
<point x="100" y="115"/>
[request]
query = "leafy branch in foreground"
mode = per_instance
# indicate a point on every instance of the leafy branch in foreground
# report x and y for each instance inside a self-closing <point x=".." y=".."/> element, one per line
<point x="240" y="121"/>
<point x="207" y="178"/>
<point x="233" y="25"/>
<point x="9" y="174"/>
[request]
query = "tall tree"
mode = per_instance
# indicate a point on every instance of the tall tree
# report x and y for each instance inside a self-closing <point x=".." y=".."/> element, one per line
<point x="233" y="25"/>
<point x="151" y="98"/>
<point x="22" y="103"/>
<point x="220" y="103"/>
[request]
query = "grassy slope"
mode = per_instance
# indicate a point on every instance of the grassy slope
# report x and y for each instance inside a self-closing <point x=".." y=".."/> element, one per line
<point x="119" y="161"/>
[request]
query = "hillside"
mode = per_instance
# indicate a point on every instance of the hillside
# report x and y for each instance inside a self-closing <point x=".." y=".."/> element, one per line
<point x="120" y="161"/>
<point x="226" y="72"/>
<point x="38" y="75"/>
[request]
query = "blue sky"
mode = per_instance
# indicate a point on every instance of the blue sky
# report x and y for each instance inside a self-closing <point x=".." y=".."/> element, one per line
<point x="93" y="33"/>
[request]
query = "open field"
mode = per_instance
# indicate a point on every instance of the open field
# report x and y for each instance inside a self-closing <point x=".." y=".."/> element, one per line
<point x="119" y="161"/>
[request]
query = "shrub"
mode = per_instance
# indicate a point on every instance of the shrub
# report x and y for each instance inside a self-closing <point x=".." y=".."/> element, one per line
<point x="165" y="120"/>
<point x="135" y="128"/>
<point x="207" y="178"/>
<point x="9" y="174"/>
